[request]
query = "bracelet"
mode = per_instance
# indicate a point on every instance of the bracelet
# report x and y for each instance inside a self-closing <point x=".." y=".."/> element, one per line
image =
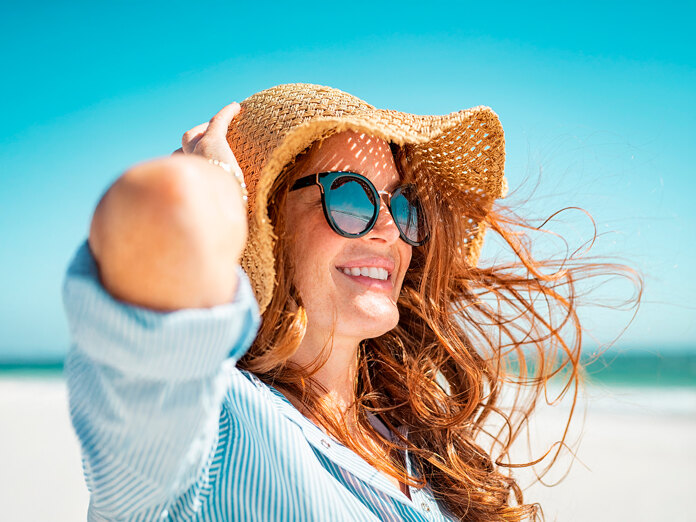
<point x="237" y="175"/>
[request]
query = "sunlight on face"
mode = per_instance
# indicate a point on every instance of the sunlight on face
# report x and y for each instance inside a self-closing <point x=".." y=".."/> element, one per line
<point x="333" y="273"/>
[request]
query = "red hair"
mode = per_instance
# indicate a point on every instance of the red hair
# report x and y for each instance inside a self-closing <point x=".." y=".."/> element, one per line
<point x="464" y="333"/>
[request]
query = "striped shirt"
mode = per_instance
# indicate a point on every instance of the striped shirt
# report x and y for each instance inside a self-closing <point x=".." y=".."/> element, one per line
<point x="170" y="428"/>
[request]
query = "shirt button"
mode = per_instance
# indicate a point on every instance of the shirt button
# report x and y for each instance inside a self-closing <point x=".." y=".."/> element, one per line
<point x="164" y="514"/>
<point x="325" y="443"/>
<point x="425" y="506"/>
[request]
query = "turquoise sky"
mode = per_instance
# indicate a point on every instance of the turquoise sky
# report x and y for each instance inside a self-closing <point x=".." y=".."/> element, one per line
<point x="596" y="98"/>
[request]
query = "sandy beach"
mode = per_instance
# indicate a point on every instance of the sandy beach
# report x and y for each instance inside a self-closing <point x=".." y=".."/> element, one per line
<point x="635" y="461"/>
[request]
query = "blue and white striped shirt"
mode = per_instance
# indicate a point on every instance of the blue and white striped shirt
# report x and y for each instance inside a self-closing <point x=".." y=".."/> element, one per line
<point x="170" y="428"/>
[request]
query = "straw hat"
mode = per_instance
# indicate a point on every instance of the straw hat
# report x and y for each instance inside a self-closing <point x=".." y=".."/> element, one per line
<point x="463" y="150"/>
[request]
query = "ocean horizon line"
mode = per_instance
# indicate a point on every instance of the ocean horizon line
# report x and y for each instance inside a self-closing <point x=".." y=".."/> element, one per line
<point x="612" y="367"/>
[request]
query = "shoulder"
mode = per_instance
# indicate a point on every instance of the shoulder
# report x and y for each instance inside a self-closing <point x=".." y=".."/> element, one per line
<point x="243" y="390"/>
<point x="248" y="399"/>
<point x="258" y="417"/>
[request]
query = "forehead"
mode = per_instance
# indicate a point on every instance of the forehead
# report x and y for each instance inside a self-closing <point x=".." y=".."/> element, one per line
<point x="355" y="152"/>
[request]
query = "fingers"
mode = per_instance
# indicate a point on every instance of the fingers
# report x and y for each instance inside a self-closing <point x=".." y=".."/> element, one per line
<point x="221" y="121"/>
<point x="191" y="138"/>
<point x="180" y="150"/>
<point x="210" y="139"/>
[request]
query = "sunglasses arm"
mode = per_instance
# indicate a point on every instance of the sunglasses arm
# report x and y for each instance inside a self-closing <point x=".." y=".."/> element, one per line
<point x="306" y="181"/>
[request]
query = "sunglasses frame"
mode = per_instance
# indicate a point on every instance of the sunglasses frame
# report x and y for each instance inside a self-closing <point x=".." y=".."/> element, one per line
<point x="325" y="179"/>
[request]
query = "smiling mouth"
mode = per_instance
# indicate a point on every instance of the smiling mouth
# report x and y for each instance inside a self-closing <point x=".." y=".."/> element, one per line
<point x="380" y="274"/>
<point x="379" y="280"/>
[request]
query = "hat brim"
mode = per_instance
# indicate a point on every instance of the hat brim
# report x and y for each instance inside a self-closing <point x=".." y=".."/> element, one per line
<point x="463" y="150"/>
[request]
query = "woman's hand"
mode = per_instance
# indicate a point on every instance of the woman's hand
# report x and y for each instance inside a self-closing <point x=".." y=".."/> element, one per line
<point x="210" y="139"/>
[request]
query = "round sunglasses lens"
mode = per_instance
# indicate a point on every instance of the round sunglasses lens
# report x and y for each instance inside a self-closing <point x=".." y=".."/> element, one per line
<point x="351" y="205"/>
<point x="408" y="214"/>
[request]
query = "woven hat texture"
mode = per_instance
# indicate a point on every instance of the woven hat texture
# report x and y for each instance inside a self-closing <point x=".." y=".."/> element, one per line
<point x="464" y="150"/>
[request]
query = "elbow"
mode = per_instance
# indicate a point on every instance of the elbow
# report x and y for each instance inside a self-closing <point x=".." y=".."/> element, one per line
<point x="151" y="192"/>
<point x="159" y="240"/>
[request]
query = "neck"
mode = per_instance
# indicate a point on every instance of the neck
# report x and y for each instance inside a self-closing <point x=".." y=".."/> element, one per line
<point x="338" y="373"/>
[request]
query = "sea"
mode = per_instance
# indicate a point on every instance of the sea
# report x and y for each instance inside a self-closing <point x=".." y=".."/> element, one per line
<point x="627" y="380"/>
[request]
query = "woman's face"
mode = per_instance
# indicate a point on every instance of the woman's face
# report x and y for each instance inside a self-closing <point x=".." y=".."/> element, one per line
<point x="363" y="307"/>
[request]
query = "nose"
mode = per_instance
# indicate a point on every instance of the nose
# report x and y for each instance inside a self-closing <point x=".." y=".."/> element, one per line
<point x="385" y="228"/>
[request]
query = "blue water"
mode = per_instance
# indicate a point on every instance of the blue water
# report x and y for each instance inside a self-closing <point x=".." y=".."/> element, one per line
<point x="671" y="369"/>
<point x="643" y="368"/>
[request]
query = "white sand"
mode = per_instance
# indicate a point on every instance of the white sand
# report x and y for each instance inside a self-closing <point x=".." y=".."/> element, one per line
<point x="41" y="473"/>
<point x="635" y="461"/>
<point x="638" y="455"/>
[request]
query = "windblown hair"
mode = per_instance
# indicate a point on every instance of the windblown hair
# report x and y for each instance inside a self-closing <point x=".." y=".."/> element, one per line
<point x="465" y="333"/>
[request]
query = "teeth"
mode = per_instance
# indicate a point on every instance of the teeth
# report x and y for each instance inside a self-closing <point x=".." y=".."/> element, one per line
<point x="371" y="271"/>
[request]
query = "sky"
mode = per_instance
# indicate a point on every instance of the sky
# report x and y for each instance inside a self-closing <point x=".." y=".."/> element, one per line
<point x="596" y="99"/>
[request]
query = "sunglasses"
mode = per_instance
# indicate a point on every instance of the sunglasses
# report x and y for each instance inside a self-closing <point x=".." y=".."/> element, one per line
<point x="351" y="205"/>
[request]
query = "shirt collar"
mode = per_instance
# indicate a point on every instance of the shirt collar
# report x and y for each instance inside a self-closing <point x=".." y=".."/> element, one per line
<point x="328" y="446"/>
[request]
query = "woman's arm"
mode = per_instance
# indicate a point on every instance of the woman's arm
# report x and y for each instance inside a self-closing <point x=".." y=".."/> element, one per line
<point x="156" y="302"/>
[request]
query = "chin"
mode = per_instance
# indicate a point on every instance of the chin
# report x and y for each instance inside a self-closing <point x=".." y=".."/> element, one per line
<point x="378" y="332"/>
<point x="374" y="321"/>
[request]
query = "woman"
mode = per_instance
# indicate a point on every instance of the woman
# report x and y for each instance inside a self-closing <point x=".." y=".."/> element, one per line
<point x="365" y="392"/>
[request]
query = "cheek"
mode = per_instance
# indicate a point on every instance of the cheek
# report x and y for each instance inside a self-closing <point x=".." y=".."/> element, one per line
<point x="313" y="248"/>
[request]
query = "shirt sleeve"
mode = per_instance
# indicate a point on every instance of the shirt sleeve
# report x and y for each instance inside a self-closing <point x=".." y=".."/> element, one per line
<point x="146" y="389"/>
